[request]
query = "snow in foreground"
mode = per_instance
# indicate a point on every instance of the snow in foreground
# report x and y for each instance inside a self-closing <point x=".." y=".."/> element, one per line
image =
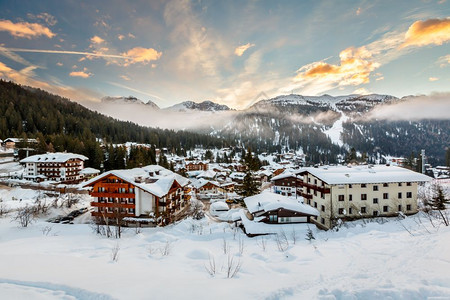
<point x="360" y="261"/>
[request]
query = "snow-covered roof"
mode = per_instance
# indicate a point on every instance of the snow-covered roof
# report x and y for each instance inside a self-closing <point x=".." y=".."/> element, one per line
<point x="207" y="174"/>
<point x="89" y="171"/>
<point x="267" y="201"/>
<point x="366" y="174"/>
<point x="58" y="157"/>
<point x="219" y="205"/>
<point x="162" y="179"/>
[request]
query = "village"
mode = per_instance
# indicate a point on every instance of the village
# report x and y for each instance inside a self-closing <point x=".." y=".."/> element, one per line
<point x="260" y="198"/>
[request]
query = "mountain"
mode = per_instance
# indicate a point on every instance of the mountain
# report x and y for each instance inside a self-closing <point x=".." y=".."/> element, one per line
<point x="129" y="100"/>
<point x="63" y="125"/>
<point x="327" y="127"/>
<point x="202" y="106"/>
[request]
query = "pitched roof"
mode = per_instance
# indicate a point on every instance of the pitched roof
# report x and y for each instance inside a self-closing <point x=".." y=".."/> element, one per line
<point x="59" y="157"/>
<point x="267" y="201"/>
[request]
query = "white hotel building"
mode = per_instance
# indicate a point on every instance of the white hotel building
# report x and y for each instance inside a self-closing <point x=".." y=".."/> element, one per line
<point x="340" y="192"/>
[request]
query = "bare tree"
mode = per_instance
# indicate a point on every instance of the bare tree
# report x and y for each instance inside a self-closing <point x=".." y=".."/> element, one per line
<point x="197" y="210"/>
<point x="225" y="246"/>
<point x="46" y="230"/>
<point x="281" y="241"/>
<point x="262" y="242"/>
<point x="233" y="266"/>
<point x="24" y="216"/>
<point x="211" y="267"/>
<point x="115" y="253"/>
<point x="241" y="245"/>
<point x="165" y="250"/>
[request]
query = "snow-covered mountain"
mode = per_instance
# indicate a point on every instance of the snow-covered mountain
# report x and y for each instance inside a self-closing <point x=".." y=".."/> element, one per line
<point x="202" y="106"/>
<point x="129" y="100"/>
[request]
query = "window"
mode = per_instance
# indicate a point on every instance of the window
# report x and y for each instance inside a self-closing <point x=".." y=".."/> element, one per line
<point x="341" y="211"/>
<point x="350" y="197"/>
<point x="385" y="208"/>
<point x="408" y="207"/>
<point x="399" y="184"/>
<point x="363" y="185"/>
<point x="322" y="220"/>
<point x="273" y="218"/>
<point x="408" y="184"/>
<point x="110" y="200"/>
<point x="131" y="210"/>
<point x="341" y="197"/>
<point x="350" y="186"/>
<point x="400" y="195"/>
<point x="110" y="209"/>
<point x="385" y="185"/>
<point x="363" y="210"/>
<point x="375" y="187"/>
<point x="350" y="210"/>
<point x="375" y="213"/>
<point x="315" y="204"/>
<point x="130" y="200"/>
<point x="375" y="200"/>
<point x="309" y="201"/>
<point x="363" y="196"/>
<point x="385" y="196"/>
<point x="409" y="195"/>
<point x="315" y="181"/>
<point x="400" y="207"/>
<point x="323" y="207"/>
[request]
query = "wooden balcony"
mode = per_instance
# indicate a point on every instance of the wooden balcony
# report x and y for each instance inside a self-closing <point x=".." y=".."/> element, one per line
<point x="110" y="204"/>
<point x="110" y="215"/>
<point x="113" y="195"/>
<point x="114" y="185"/>
<point x="307" y="196"/>
<point x="316" y="187"/>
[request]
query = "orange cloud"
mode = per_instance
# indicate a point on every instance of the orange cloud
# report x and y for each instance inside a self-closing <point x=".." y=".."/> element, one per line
<point x="354" y="69"/>
<point x="433" y="79"/>
<point x="25" y="29"/>
<point x="97" y="40"/>
<point x="241" y="49"/>
<point x="422" y="33"/>
<point x="141" y="55"/>
<point x="81" y="74"/>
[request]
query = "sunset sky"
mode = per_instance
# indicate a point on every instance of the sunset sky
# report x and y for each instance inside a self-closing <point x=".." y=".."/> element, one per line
<point x="225" y="51"/>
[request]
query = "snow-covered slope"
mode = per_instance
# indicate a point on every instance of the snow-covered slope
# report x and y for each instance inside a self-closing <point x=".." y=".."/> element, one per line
<point x="129" y="100"/>
<point x="373" y="259"/>
<point x="201" y="106"/>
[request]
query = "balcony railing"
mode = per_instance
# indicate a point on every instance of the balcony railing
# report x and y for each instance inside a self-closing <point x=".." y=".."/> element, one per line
<point x="113" y="195"/>
<point x="112" y="204"/>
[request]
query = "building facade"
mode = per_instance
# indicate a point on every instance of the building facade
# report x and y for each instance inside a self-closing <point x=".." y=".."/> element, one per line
<point x="62" y="167"/>
<point x="360" y="192"/>
<point x="150" y="193"/>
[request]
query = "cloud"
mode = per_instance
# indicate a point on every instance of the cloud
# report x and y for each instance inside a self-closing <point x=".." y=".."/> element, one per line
<point x="46" y="17"/>
<point x="434" y="106"/>
<point x="132" y="36"/>
<point x="120" y="37"/>
<point x="444" y="61"/>
<point x="88" y="54"/>
<point x="432" y="31"/>
<point x="198" y="51"/>
<point x="97" y="40"/>
<point x="81" y="74"/>
<point x="141" y="55"/>
<point x="124" y="77"/>
<point x="358" y="11"/>
<point x="433" y="79"/>
<point x="354" y="69"/>
<point x="241" y="49"/>
<point x="25" y="29"/>
<point x="361" y="91"/>
<point x="59" y="64"/>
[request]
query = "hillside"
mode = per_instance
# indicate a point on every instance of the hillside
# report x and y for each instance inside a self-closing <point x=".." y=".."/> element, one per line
<point x="66" y="125"/>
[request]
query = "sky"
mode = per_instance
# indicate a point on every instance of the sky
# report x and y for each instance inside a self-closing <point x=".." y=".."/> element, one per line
<point x="230" y="52"/>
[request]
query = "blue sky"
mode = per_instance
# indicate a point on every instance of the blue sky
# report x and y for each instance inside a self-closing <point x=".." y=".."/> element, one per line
<point x="226" y="51"/>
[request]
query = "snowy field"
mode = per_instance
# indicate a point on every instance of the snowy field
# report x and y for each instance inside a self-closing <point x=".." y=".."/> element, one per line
<point x="399" y="259"/>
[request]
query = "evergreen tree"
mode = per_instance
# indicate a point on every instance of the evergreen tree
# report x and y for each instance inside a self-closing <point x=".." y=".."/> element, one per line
<point x="249" y="187"/>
